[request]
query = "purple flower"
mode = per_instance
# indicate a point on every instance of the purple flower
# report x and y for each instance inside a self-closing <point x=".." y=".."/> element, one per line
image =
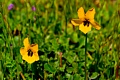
<point x="33" y="8"/>
<point x="10" y="6"/>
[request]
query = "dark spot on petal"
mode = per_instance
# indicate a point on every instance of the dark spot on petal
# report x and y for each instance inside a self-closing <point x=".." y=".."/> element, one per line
<point x="30" y="53"/>
<point x="91" y="9"/>
<point x="86" y="22"/>
<point x="32" y="45"/>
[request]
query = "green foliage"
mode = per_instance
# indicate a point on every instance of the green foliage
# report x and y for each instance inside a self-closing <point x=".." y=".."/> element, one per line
<point x="49" y="26"/>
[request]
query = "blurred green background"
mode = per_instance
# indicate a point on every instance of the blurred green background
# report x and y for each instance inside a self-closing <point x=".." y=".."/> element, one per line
<point x="49" y="26"/>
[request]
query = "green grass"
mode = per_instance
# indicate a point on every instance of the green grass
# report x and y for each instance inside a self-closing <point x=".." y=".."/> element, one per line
<point x="49" y="26"/>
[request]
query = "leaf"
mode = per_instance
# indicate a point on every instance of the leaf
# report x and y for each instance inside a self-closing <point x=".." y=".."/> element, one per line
<point x="62" y="68"/>
<point x="89" y="48"/>
<point x="49" y="68"/>
<point x="76" y="77"/>
<point x="82" y="41"/>
<point x="94" y="75"/>
<point x="74" y="37"/>
<point x="70" y="59"/>
<point x="70" y="69"/>
<point x="54" y="44"/>
<point x="70" y="77"/>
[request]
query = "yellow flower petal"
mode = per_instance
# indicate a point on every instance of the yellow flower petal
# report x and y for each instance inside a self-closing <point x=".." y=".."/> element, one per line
<point x="26" y="43"/>
<point x="36" y="56"/>
<point x="81" y="14"/>
<point x="29" y="52"/>
<point x="34" y="47"/>
<point x="30" y="59"/>
<point x="76" y="22"/>
<point x="90" y="14"/>
<point x="23" y="51"/>
<point x="84" y="29"/>
<point x="95" y="24"/>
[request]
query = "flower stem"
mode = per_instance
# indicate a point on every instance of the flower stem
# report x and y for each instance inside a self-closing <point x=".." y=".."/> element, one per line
<point x="85" y="57"/>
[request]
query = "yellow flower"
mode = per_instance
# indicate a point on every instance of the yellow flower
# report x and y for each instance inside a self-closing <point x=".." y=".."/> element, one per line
<point x="85" y="20"/>
<point x="29" y="52"/>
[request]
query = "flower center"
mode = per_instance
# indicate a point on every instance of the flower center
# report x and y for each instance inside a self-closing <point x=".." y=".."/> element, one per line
<point x="30" y="53"/>
<point x="86" y="22"/>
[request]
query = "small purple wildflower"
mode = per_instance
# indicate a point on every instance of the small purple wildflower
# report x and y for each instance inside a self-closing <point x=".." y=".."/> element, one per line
<point x="10" y="6"/>
<point x="33" y="8"/>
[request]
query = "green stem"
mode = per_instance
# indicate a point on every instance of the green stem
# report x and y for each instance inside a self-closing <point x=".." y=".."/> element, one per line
<point x="45" y="75"/>
<point x="85" y="57"/>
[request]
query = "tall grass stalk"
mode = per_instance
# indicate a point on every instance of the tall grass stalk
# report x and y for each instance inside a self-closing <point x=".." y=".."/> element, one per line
<point x="85" y="57"/>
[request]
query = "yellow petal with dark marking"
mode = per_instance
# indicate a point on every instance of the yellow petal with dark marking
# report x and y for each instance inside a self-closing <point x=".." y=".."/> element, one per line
<point x="30" y="59"/>
<point x="84" y="29"/>
<point x="29" y="52"/>
<point x="95" y="25"/>
<point x="76" y="22"/>
<point x="34" y="47"/>
<point x="90" y="14"/>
